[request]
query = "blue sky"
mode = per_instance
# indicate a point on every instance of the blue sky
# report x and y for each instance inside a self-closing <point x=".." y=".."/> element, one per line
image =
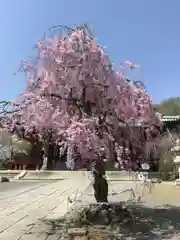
<point x="147" y="32"/>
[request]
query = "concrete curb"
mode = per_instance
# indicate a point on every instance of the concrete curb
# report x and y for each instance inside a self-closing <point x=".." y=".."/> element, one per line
<point x="43" y="175"/>
<point x="62" y="175"/>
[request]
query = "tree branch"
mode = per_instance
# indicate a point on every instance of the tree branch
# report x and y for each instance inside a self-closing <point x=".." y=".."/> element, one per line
<point x="7" y="107"/>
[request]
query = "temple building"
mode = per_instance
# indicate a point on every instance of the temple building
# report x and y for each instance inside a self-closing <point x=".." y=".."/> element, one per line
<point x="171" y="123"/>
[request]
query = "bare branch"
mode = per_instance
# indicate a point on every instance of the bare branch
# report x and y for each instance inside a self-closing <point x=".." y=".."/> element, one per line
<point x="8" y="107"/>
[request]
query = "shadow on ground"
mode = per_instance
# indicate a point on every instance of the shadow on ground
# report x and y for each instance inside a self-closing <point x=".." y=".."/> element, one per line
<point x="156" y="223"/>
<point x="162" y="222"/>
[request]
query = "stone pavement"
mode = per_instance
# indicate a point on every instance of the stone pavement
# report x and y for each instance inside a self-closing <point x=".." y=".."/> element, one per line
<point x="22" y="211"/>
<point x="31" y="212"/>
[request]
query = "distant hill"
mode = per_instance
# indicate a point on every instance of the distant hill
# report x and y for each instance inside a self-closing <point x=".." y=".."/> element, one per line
<point x="170" y="106"/>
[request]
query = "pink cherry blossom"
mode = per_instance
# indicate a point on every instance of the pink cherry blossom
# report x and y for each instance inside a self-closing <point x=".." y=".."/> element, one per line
<point x="74" y="83"/>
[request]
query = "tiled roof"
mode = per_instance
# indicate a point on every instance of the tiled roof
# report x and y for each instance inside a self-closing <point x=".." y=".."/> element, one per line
<point x="170" y="118"/>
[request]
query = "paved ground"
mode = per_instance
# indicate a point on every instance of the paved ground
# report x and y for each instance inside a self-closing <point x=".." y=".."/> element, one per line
<point x="18" y="185"/>
<point x="23" y="206"/>
<point x="28" y="208"/>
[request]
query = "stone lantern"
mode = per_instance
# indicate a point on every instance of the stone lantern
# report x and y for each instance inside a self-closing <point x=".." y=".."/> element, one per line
<point x="176" y="159"/>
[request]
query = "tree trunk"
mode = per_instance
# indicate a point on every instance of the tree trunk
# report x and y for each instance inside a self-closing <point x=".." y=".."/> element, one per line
<point x="45" y="155"/>
<point x="100" y="183"/>
<point x="50" y="157"/>
<point x="45" y="163"/>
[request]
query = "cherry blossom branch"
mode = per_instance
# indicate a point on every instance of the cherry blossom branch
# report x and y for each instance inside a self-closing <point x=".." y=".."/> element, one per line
<point x="69" y="30"/>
